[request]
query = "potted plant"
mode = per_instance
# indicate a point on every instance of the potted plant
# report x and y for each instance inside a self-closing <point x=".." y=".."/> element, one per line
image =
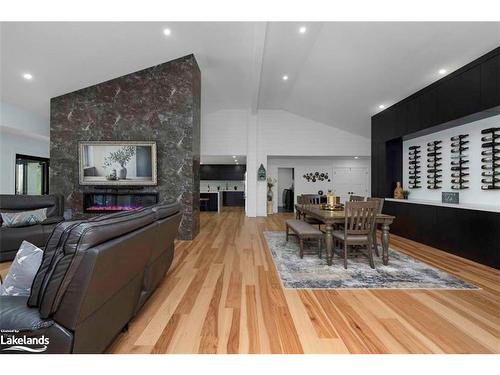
<point x="406" y="193"/>
<point x="122" y="157"/>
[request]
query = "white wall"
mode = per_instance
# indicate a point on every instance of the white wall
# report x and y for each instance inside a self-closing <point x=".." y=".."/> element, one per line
<point x="283" y="133"/>
<point x="304" y="165"/>
<point x="224" y="133"/>
<point x="472" y="195"/>
<point x="273" y="133"/>
<point x="23" y="133"/>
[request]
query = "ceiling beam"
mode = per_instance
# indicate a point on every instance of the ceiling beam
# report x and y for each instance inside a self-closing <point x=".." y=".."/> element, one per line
<point x="259" y="44"/>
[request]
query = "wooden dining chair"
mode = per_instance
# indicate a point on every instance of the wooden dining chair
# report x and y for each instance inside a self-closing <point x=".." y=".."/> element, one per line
<point x="311" y="200"/>
<point x="358" y="228"/>
<point x="356" y="198"/>
<point x="380" y="206"/>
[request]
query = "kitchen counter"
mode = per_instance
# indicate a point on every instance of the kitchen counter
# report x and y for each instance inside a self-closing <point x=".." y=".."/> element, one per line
<point x="227" y="197"/>
<point x="219" y="198"/>
<point x="465" y="206"/>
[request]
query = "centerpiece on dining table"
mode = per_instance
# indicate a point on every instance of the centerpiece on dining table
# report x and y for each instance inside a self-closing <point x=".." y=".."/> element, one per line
<point x="332" y="203"/>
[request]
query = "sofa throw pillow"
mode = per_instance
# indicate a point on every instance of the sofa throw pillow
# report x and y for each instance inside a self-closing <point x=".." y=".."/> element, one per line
<point x="23" y="218"/>
<point x="22" y="271"/>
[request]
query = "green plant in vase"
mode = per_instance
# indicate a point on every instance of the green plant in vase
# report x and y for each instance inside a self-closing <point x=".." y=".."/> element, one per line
<point x="406" y="193"/>
<point x="270" y="183"/>
<point x="122" y="157"/>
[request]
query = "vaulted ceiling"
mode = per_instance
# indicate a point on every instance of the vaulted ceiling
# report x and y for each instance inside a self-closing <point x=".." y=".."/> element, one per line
<point x="338" y="72"/>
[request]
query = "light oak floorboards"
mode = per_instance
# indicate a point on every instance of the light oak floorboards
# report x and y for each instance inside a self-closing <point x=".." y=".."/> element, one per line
<point x="223" y="295"/>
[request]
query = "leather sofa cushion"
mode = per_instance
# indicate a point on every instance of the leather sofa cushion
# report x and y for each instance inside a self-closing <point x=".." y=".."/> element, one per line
<point x="11" y="203"/>
<point x="52" y="220"/>
<point x="15" y="314"/>
<point x="54" y="245"/>
<point x="166" y="210"/>
<point x="11" y="238"/>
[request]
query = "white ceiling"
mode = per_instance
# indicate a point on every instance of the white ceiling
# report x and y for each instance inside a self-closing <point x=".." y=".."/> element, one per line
<point x="339" y="71"/>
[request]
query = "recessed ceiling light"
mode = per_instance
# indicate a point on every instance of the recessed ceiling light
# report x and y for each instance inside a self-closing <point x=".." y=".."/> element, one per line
<point x="302" y="29"/>
<point x="356" y="157"/>
<point x="442" y="71"/>
<point x="234" y="156"/>
<point x="285" y="78"/>
<point x="381" y="106"/>
<point x="167" y="32"/>
<point x="27" y="76"/>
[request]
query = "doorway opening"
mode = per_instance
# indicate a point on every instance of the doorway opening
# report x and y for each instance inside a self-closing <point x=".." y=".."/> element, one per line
<point x="285" y="189"/>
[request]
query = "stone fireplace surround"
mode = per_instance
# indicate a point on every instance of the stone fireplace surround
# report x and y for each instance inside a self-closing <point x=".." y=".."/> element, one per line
<point x="161" y="104"/>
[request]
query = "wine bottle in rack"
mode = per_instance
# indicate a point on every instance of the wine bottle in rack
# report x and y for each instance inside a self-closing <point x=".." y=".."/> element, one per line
<point x="491" y="159"/>
<point x="414" y="167"/>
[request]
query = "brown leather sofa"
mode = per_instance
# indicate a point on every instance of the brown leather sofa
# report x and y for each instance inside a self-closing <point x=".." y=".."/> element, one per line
<point x="94" y="277"/>
<point x="11" y="238"/>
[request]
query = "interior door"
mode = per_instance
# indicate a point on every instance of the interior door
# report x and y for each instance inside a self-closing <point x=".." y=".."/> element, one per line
<point x="341" y="183"/>
<point x="350" y="181"/>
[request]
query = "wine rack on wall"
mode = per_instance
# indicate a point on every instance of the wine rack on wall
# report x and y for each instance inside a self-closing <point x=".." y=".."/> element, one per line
<point x="459" y="162"/>
<point x="414" y="167"/>
<point x="433" y="165"/>
<point x="490" y="159"/>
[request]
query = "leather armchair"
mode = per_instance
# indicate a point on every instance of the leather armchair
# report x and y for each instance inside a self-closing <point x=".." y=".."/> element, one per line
<point x="94" y="277"/>
<point x="11" y="238"/>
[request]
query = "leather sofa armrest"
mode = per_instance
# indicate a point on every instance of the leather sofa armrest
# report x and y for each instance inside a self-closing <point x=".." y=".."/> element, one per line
<point x="52" y="220"/>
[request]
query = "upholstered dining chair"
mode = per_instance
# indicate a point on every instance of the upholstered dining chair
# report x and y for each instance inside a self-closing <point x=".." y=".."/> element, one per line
<point x="380" y="206"/>
<point x="311" y="200"/>
<point x="358" y="228"/>
<point x="356" y="198"/>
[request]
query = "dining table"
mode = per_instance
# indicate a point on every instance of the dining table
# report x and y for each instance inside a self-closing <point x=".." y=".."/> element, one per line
<point x="332" y="218"/>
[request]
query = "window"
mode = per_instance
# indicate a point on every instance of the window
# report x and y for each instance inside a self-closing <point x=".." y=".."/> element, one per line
<point x="32" y="175"/>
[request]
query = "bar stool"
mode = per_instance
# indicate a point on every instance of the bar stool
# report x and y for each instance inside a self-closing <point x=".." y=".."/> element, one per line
<point x="204" y="204"/>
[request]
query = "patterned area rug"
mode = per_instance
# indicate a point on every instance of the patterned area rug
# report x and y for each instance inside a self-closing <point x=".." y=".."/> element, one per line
<point x="403" y="271"/>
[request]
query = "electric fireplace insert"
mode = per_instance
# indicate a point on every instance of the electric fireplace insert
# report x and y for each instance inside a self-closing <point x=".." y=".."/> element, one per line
<point x="117" y="201"/>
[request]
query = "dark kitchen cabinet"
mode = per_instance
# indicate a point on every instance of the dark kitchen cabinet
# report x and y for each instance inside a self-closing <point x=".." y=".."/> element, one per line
<point x="213" y="201"/>
<point x="412" y="116"/>
<point x="460" y="95"/>
<point x="468" y="233"/>
<point x="233" y="198"/>
<point x="428" y="108"/>
<point x="490" y="83"/>
<point x="222" y="172"/>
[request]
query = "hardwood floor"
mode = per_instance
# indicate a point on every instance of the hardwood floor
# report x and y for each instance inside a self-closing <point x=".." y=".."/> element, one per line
<point x="223" y="295"/>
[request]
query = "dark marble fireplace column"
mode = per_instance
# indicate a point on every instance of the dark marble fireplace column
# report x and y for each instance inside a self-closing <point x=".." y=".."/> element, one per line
<point x="161" y="104"/>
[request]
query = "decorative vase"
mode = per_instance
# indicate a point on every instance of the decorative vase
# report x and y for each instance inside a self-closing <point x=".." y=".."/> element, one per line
<point x="269" y="194"/>
<point x="398" y="192"/>
<point x="122" y="173"/>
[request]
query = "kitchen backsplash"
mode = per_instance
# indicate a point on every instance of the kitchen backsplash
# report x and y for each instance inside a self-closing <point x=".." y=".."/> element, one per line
<point x="212" y="185"/>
